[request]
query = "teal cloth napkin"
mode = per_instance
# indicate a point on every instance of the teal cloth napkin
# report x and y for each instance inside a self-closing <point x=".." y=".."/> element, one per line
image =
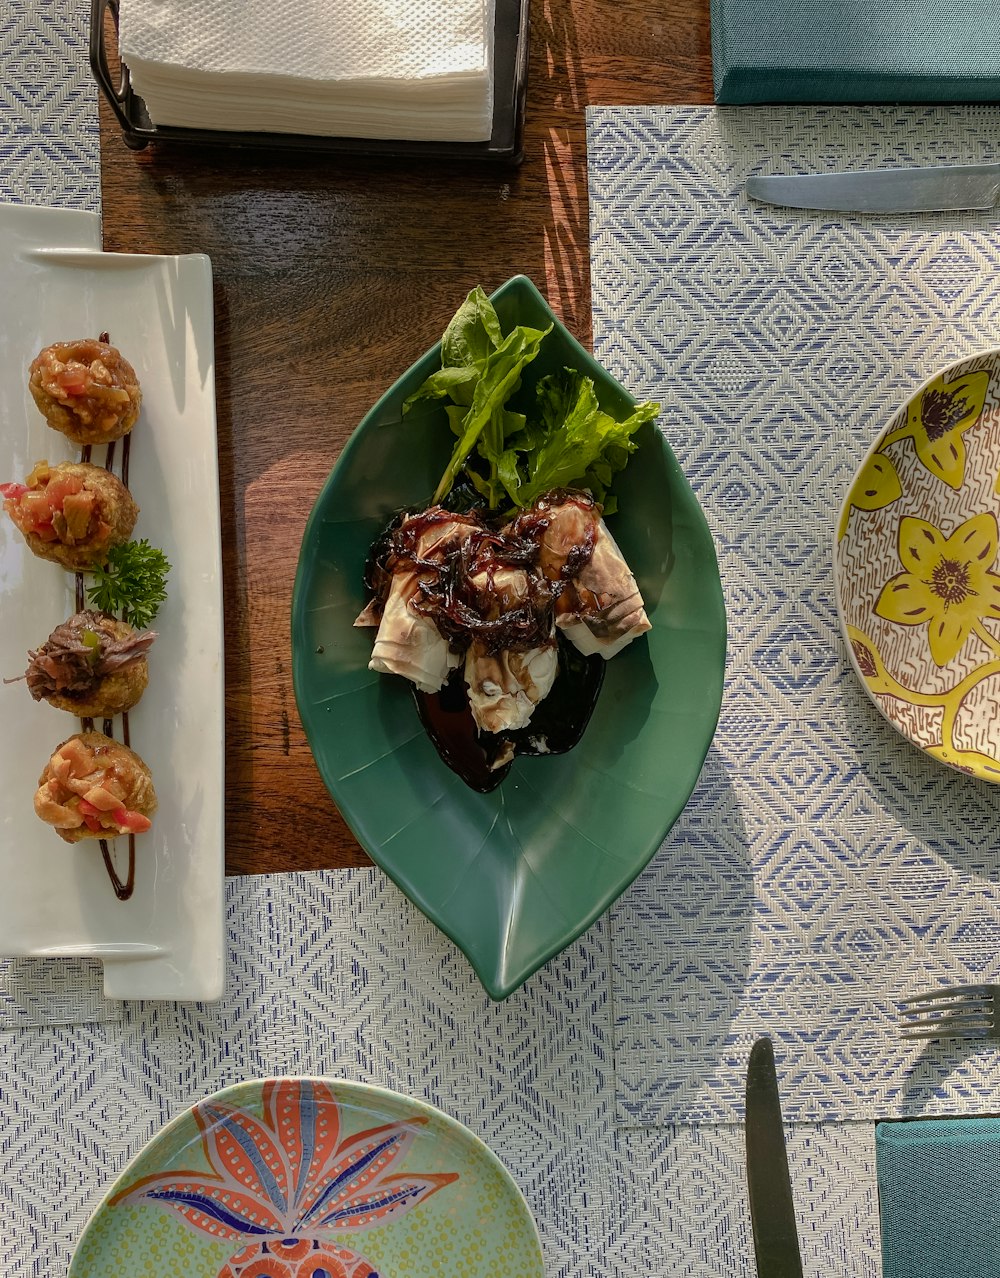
<point x="939" y="1197"/>
<point x="856" y="51"/>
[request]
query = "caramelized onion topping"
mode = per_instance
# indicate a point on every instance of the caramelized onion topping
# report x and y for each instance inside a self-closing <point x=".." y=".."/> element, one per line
<point x="496" y="586"/>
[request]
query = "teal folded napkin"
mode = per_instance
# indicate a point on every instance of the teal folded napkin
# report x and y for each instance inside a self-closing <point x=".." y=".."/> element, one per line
<point x="939" y="1197"/>
<point x="856" y="50"/>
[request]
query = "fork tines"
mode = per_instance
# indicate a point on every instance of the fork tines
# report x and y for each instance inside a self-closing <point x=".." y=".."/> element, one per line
<point x="957" y="1011"/>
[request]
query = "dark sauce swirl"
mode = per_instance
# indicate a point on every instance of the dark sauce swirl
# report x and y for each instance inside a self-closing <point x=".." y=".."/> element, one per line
<point x="482" y="760"/>
<point x="123" y="887"/>
<point x="498" y="589"/>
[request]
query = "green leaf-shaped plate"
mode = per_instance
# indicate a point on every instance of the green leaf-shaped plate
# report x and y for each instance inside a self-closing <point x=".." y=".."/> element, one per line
<point x="516" y="875"/>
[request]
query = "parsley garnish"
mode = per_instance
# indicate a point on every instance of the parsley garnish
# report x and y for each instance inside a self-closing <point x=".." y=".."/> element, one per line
<point x="131" y="584"/>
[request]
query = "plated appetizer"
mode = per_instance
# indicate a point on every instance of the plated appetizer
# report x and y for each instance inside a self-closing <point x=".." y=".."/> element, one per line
<point x="598" y="605"/>
<point x="414" y="549"/>
<point x="93" y="665"/>
<point x="502" y="599"/>
<point x="95" y="788"/>
<point x="72" y="513"/>
<point x="86" y="389"/>
<point x="80" y="515"/>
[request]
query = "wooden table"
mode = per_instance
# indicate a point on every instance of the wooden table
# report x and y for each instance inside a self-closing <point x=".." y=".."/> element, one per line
<point x="331" y="277"/>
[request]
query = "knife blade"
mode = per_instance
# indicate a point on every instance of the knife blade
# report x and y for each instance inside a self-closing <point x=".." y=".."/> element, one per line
<point x="930" y="190"/>
<point x="772" y="1210"/>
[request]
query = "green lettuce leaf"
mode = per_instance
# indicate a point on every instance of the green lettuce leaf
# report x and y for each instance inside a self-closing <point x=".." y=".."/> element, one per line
<point x="581" y="444"/>
<point x="569" y="441"/>
<point x="499" y="379"/>
<point x="469" y="340"/>
<point x="473" y="333"/>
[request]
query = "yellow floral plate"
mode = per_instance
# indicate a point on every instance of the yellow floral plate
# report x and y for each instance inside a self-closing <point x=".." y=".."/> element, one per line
<point x="917" y="578"/>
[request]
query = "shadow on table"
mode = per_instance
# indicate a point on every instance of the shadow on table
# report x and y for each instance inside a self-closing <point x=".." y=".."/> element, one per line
<point x="954" y="816"/>
<point x="681" y="954"/>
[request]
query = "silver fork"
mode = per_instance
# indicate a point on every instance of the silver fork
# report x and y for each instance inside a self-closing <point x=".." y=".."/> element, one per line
<point x="956" y="1011"/>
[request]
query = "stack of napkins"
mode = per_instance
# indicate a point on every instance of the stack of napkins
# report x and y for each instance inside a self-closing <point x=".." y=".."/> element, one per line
<point x="398" y="69"/>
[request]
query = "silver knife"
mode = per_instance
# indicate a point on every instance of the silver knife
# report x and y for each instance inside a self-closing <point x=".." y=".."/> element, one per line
<point x="772" y="1211"/>
<point x="931" y="190"/>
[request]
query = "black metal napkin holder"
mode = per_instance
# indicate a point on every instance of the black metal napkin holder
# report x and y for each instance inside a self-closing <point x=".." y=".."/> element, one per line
<point x="510" y="69"/>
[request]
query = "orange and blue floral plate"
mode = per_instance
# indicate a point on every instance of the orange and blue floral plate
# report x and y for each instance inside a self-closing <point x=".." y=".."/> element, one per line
<point x="917" y="571"/>
<point x="311" y="1178"/>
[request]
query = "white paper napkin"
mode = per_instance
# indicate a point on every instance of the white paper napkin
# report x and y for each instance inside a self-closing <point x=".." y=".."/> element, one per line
<point x="401" y="69"/>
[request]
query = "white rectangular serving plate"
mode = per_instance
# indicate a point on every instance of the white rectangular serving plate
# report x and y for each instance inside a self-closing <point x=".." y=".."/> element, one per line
<point x="168" y="940"/>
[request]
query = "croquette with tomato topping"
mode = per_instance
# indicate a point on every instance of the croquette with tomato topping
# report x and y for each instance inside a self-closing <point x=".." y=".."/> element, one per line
<point x="72" y="513"/>
<point x="86" y="389"/>
<point x="95" y="788"/>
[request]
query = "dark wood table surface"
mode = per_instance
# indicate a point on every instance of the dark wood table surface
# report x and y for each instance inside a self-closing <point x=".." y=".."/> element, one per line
<point x="331" y="276"/>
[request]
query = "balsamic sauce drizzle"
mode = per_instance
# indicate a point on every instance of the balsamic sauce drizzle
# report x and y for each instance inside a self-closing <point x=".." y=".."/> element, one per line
<point x="556" y="726"/>
<point x="123" y="887"/>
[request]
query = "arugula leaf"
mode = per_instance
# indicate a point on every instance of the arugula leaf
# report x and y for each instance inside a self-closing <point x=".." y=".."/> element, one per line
<point x="580" y="442"/>
<point x="480" y="370"/>
<point x="501" y="376"/>
<point x="471" y="337"/>
<point x="456" y="383"/>
<point x="473" y="333"/>
<point x="569" y="442"/>
<point x="509" y="473"/>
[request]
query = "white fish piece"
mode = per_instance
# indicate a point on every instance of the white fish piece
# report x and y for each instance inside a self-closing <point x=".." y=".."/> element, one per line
<point x="408" y="643"/>
<point x="601" y="610"/>
<point x="604" y="611"/>
<point x="583" y="637"/>
<point x="505" y="689"/>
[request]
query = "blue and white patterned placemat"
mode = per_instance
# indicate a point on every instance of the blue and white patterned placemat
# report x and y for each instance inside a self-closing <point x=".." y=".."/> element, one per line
<point x="335" y="973"/>
<point x="824" y="868"/>
<point x="49" y="135"/>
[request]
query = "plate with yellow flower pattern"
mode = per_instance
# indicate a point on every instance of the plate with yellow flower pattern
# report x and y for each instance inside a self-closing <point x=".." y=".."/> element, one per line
<point x="311" y="1178"/>
<point x="917" y="568"/>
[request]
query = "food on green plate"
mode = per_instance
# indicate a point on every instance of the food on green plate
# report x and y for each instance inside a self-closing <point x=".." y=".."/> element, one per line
<point x="72" y="513"/>
<point x="448" y="591"/>
<point x="413" y="553"/>
<point x="503" y="605"/>
<point x="86" y="389"/>
<point x="452" y="590"/>
<point x="93" y="665"/>
<point x="599" y="609"/>
<point x="95" y="788"/>
<point x="508" y="674"/>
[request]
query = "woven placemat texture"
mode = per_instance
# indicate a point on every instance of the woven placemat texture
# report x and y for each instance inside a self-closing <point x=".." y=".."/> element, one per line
<point x="825" y="868"/>
<point x="49" y="132"/>
<point x="335" y="973"/>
